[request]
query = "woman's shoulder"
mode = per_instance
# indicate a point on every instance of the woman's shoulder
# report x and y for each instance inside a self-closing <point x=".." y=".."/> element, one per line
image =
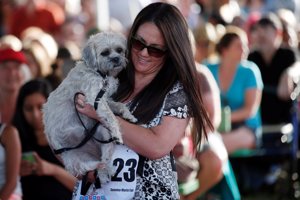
<point x="250" y="71"/>
<point x="2" y="126"/>
<point x="177" y="93"/>
<point x="212" y="65"/>
<point x="176" y="88"/>
<point x="286" y="50"/>
<point x="176" y="103"/>
<point x="203" y="69"/>
<point x="7" y="132"/>
<point x="247" y="65"/>
<point x="7" y="129"/>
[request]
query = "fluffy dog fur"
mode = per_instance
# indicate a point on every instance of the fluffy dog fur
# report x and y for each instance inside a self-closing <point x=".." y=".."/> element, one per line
<point x="104" y="52"/>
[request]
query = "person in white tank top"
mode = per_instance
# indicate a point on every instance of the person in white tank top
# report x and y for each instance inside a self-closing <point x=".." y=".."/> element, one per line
<point x="10" y="158"/>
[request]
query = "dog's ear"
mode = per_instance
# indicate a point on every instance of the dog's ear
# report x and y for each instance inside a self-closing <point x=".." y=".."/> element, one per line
<point x="89" y="54"/>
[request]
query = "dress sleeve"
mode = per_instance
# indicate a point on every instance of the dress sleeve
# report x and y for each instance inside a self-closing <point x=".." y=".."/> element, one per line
<point x="176" y="104"/>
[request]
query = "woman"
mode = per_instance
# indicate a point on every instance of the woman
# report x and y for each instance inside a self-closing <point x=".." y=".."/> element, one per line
<point x="43" y="177"/>
<point x="206" y="36"/>
<point x="160" y="87"/>
<point x="241" y="86"/>
<point x="11" y="79"/>
<point x="212" y="153"/>
<point x="10" y="159"/>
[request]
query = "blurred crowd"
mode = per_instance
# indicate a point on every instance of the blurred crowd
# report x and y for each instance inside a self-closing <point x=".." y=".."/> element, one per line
<point x="40" y="41"/>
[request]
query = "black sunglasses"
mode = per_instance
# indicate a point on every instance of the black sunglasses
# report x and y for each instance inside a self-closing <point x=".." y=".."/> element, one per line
<point x="152" y="51"/>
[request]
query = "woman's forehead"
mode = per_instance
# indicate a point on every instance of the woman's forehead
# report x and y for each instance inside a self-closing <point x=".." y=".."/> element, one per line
<point x="150" y="33"/>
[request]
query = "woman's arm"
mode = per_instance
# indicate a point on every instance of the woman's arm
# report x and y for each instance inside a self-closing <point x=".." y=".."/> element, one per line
<point x="251" y="105"/>
<point x="155" y="142"/>
<point x="288" y="79"/>
<point x="210" y="95"/>
<point x="152" y="143"/>
<point x="11" y="142"/>
<point x="45" y="168"/>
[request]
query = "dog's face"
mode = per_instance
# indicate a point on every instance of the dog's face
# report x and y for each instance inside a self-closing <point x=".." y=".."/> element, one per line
<point x="105" y="52"/>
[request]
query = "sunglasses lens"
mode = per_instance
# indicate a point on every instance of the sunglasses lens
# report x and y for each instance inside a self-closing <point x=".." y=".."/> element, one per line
<point x="152" y="51"/>
<point x="138" y="45"/>
<point x="155" y="52"/>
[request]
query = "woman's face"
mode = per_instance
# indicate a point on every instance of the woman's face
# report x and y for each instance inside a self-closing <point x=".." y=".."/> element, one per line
<point x="145" y="63"/>
<point x="32" y="110"/>
<point x="235" y="50"/>
<point x="11" y="76"/>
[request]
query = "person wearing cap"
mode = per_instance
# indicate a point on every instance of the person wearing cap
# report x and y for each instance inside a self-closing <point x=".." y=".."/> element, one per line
<point x="11" y="79"/>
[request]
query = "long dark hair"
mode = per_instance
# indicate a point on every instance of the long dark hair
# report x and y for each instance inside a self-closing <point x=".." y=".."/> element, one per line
<point x="26" y="131"/>
<point x="179" y="66"/>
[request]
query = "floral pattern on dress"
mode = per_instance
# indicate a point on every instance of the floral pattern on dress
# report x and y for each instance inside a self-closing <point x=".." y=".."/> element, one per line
<point x="159" y="181"/>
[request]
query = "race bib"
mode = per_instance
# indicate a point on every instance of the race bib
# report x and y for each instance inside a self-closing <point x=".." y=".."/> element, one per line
<point x="123" y="183"/>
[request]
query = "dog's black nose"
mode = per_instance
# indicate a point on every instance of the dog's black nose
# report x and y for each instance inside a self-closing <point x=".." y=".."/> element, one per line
<point x="115" y="60"/>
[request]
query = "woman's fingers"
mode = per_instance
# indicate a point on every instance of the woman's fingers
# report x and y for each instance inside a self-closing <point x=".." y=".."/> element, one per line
<point x="85" y="108"/>
<point x="80" y="100"/>
<point x="80" y="105"/>
<point x="26" y="168"/>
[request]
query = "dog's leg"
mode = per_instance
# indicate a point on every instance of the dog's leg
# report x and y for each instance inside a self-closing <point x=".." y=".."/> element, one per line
<point x="121" y="110"/>
<point x="108" y="119"/>
<point x="78" y="162"/>
<point x="105" y="168"/>
<point x="106" y="171"/>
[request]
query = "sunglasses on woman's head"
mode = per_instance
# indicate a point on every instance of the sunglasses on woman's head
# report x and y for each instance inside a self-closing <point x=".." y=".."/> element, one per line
<point x="152" y="51"/>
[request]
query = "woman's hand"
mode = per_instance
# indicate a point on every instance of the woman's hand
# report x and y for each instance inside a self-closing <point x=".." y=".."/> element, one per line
<point x="26" y="168"/>
<point x="43" y="167"/>
<point x="85" y="108"/>
<point x="285" y="86"/>
<point x="39" y="167"/>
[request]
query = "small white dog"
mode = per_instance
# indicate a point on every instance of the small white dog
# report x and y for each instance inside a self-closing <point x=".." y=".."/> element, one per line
<point x="103" y="57"/>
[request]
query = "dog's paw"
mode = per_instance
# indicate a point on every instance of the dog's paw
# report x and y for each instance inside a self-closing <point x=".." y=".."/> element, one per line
<point x="118" y="140"/>
<point x="104" y="175"/>
<point x="133" y="119"/>
<point x="127" y="115"/>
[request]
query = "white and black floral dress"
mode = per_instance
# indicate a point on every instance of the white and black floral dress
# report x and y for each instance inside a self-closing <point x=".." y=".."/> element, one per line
<point x="158" y="179"/>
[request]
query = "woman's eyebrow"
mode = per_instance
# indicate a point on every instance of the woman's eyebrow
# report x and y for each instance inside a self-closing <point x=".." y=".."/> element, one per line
<point x="153" y="45"/>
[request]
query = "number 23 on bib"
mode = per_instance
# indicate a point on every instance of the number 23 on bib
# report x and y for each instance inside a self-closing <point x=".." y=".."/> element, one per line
<point x="123" y="183"/>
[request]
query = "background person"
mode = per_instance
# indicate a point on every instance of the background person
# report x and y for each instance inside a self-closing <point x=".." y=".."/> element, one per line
<point x="211" y="155"/>
<point x="44" y="177"/>
<point x="11" y="79"/>
<point x="10" y="159"/>
<point x="275" y="62"/>
<point x="241" y="86"/>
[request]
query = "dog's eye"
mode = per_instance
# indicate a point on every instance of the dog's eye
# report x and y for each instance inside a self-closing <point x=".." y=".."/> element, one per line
<point x="105" y="52"/>
<point x="119" y="50"/>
